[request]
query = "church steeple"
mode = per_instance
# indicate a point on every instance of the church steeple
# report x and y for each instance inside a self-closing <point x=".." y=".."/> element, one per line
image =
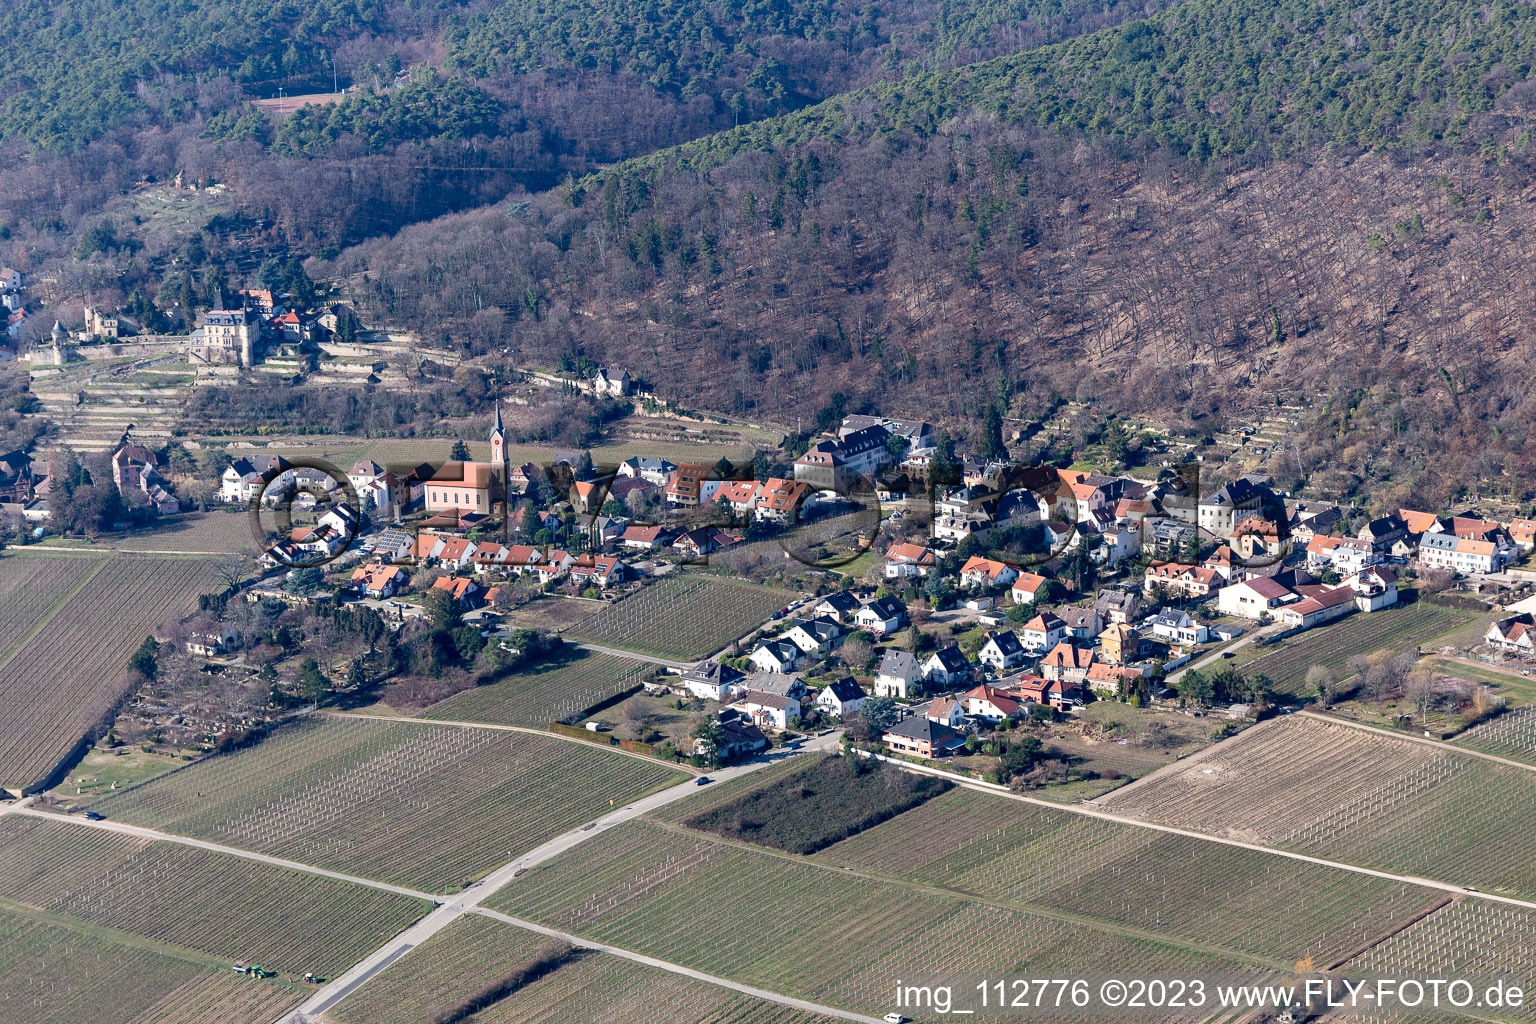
<point x="498" y="440"/>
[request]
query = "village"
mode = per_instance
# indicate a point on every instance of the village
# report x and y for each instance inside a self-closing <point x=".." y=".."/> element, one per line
<point x="982" y="595"/>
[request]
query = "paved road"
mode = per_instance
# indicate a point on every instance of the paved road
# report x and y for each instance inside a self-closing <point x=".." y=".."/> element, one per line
<point x="123" y="828"/>
<point x="469" y="900"/>
<point x="639" y="958"/>
<point x="619" y="652"/>
<point x="1216" y="655"/>
<point x="1089" y="812"/>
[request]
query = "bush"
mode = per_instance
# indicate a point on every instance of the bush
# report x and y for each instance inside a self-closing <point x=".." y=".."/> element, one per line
<point x="817" y="806"/>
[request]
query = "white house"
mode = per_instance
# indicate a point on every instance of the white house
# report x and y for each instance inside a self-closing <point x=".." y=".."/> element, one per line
<point x="839" y="606"/>
<point x="985" y="572"/>
<point x="1042" y="632"/>
<point x="947" y="667"/>
<point x="775" y="656"/>
<point x="843" y="697"/>
<point x="1253" y="598"/>
<point x="992" y="704"/>
<point x="771" y="709"/>
<point x="1001" y="650"/>
<point x="1516" y="634"/>
<point x="1177" y="627"/>
<point x="898" y="676"/>
<point x="881" y="616"/>
<point x="1026" y="589"/>
<point x="947" y="712"/>
<point x="206" y="643"/>
<point x="713" y="681"/>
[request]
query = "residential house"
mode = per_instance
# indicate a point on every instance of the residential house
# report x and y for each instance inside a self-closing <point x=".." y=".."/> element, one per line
<point x="1026" y="588"/>
<point x="946" y="712"/>
<point x="770" y="710"/>
<point x="554" y="564"/>
<point x="713" y="681"/>
<point x="882" y="616"/>
<point x="1220" y="513"/>
<point x="839" y="606"/>
<point x="780" y="500"/>
<point x="905" y="559"/>
<point x="1108" y="679"/>
<point x="599" y="570"/>
<point x="1258" y="539"/>
<point x="654" y="471"/>
<point x="739" y="737"/>
<point x="1052" y="693"/>
<point x="739" y="497"/>
<point x="776" y="682"/>
<point x="464" y="592"/>
<point x="947" y="667"/>
<point x="1253" y="599"/>
<point x="985" y="572"/>
<point x="775" y="656"/>
<point x="691" y="485"/>
<point x="1516" y="634"/>
<point x="815" y="636"/>
<point x="1082" y="623"/>
<point x="992" y="705"/>
<point x="1117" y="606"/>
<point x="206" y="643"/>
<point x="1001" y="650"/>
<point x="379" y="581"/>
<point x="1122" y="645"/>
<point x="646" y="538"/>
<point x="899" y="675"/>
<point x="918" y="737"/>
<point x="1374" y="588"/>
<point x="1177" y="627"/>
<point x="1042" y="632"/>
<point x="1068" y="663"/>
<point x="488" y="555"/>
<point x="1179" y="580"/>
<point x="611" y="382"/>
<point x="697" y="543"/>
<point x="841" y="697"/>
<point x="1447" y="551"/>
<point x="1384" y="532"/>
<point x="1522" y="532"/>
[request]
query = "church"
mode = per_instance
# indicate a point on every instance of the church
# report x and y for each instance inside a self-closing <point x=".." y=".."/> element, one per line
<point x="471" y="487"/>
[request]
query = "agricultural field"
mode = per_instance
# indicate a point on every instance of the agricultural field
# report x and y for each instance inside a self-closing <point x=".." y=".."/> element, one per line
<point x="427" y="806"/>
<point x="795" y="927"/>
<point x="550" y="612"/>
<point x="1511" y="735"/>
<point x="1334" y="644"/>
<point x="1469" y="937"/>
<point x="826" y="800"/>
<point x="685" y="616"/>
<point x="551" y="692"/>
<point x="590" y="988"/>
<point x="217" y="904"/>
<point x="597" y="988"/>
<point x="65" y="674"/>
<point x="1358" y="796"/>
<point x="196" y="533"/>
<point x="32" y="586"/>
<point x="472" y="951"/>
<point x="1251" y="903"/>
<point x="54" y="971"/>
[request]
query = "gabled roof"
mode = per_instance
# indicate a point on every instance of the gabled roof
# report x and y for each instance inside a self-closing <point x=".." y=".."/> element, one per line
<point x="847" y="689"/>
<point x="898" y="663"/>
<point x="1045" y="622"/>
<point x="1004" y="639"/>
<point x="924" y="731"/>
<point x="841" y="601"/>
<point x="1065" y="655"/>
<point x="950" y="658"/>
<point x="886" y="608"/>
